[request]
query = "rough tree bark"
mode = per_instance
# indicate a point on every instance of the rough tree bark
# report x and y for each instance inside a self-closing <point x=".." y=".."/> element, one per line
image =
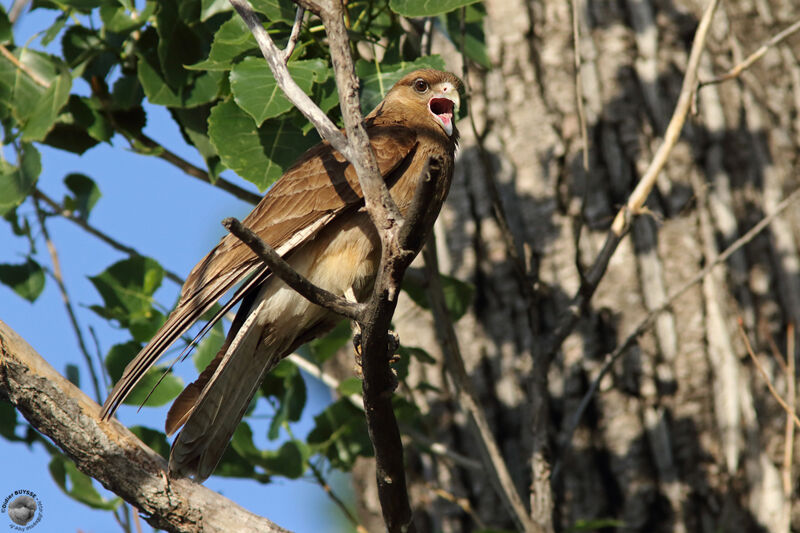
<point x="683" y="434"/>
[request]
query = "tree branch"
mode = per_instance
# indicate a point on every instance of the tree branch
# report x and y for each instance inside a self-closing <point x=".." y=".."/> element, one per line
<point x="284" y="271"/>
<point x="645" y="323"/>
<point x="637" y="198"/>
<point x="108" y="451"/>
<point x="492" y="459"/>
<point x="295" y="35"/>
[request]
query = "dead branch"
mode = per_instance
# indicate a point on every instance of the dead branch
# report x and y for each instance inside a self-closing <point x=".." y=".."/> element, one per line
<point x="291" y="277"/>
<point x="109" y="452"/>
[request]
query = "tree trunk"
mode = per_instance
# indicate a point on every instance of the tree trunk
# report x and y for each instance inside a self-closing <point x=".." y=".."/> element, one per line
<point x="683" y="434"/>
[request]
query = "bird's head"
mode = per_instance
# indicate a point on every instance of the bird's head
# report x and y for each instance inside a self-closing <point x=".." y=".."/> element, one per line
<point x="430" y="95"/>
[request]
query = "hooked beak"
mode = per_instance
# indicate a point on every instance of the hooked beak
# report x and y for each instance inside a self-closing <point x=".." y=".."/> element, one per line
<point x="443" y="106"/>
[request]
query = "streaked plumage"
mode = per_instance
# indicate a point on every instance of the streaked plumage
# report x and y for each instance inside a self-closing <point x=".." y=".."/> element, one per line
<point x="312" y="217"/>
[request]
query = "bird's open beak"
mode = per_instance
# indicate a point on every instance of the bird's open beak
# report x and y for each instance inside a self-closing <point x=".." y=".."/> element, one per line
<point x="443" y="106"/>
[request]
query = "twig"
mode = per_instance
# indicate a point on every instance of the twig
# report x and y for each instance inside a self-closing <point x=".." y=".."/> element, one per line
<point x="73" y="319"/>
<point x="381" y="207"/>
<point x="737" y="70"/>
<point x="326" y="128"/>
<point x="495" y="465"/>
<point x="284" y="271"/>
<point x="335" y="499"/>
<point x="24" y="68"/>
<point x="788" y="445"/>
<point x="789" y="412"/>
<point x="642" y="326"/>
<point x="295" y="35"/>
<point x="59" y="210"/>
<point x="187" y="167"/>
<point x="637" y="198"/>
<point x="121" y="462"/>
<point x="576" y="51"/>
<point x="16" y="10"/>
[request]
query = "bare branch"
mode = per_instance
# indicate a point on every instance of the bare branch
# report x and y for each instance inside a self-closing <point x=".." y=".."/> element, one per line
<point x="492" y="459"/>
<point x="326" y="128"/>
<point x="737" y="70"/>
<point x="637" y="198"/>
<point x="132" y="252"/>
<point x="73" y="318"/>
<point x="291" y="277"/>
<point x="109" y="452"/>
<point x="645" y="323"/>
<point x="379" y="203"/>
<point x="789" y="411"/>
<point x="295" y="35"/>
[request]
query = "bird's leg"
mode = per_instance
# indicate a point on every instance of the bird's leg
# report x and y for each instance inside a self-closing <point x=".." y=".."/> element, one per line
<point x="391" y="348"/>
<point x="351" y="297"/>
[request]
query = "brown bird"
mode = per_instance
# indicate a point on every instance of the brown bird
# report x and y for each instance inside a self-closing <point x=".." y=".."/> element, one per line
<point x="313" y="216"/>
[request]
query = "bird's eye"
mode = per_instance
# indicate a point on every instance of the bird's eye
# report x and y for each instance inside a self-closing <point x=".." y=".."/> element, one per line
<point x="420" y="85"/>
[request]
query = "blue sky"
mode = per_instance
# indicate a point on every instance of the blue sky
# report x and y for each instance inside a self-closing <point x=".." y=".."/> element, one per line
<point x="162" y="213"/>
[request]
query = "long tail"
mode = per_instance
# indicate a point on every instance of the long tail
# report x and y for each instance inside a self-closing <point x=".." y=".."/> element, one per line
<point x="222" y="399"/>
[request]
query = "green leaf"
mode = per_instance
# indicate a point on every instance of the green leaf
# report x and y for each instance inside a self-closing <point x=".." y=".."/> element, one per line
<point x="27" y="279"/>
<point x="378" y="78"/>
<point x="256" y="91"/>
<point x="349" y="387"/>
<point x="36" y="93"/>
<point x="323" y="348"/>
<point x="119" y="19"/>
<point x="154" y="389"/>
<point x="6" y="35"/>
<point x="340" y="434"/>
<point x="473" y="41"/>
<point x="194" y="127"/>
<point x="232" y="40"/>
<point x="208" y="347"/>
<point x="287" y="386"/>
<point x="178" y="45"/>
<point x="8" y="421"/>
<point x="276" y="10"/>
<point x="457" y="295"/>
<point x="84" y="5"/>
<point x="202" y="89"/>
<point x="209" y="8"/>
<point x="119" y="356"/>
<point x="259" y="155"/>
<point x="73" y="375"/>
<point x="80" y="44"/>
<point x="290" y="460"/>
<point x="17" y="182"/>
<point x="127" y="289"/>
<point x="426" y="8"/>
<point x="85" y="194"/>
<point x="79" y="126"/>
<point x="78" y="485"/>
<point x="418" y="353"/>
<point x="156" y="440"/>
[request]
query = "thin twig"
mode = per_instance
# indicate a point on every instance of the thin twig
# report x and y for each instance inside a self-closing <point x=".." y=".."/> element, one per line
<point x="635" y="204"/>
<point x="24" y="68"/>
<point x="495" y="465"/>
<point x="274" y="57"/>
<point x="644" y="324"/>
<point x="760" y="368"/>
<point x="335" y="499"/>
<point x="576" y="51"/>
<point x="737" y="70"/>
<point x="73" y="319"/>
<point x="295" y="35"/>
<point x="284" y="271"/>
<point x="60" y="211"/>
<point x="788" y="444"/>
<point x="16" y="10"/>
<point x="188" y="168"/>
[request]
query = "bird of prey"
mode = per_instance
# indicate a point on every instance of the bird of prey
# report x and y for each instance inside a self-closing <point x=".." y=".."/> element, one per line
<point x="314" y="217"/>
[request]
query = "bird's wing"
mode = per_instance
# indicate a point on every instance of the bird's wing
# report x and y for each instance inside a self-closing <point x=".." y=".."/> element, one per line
<point x="317" y="188"/>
